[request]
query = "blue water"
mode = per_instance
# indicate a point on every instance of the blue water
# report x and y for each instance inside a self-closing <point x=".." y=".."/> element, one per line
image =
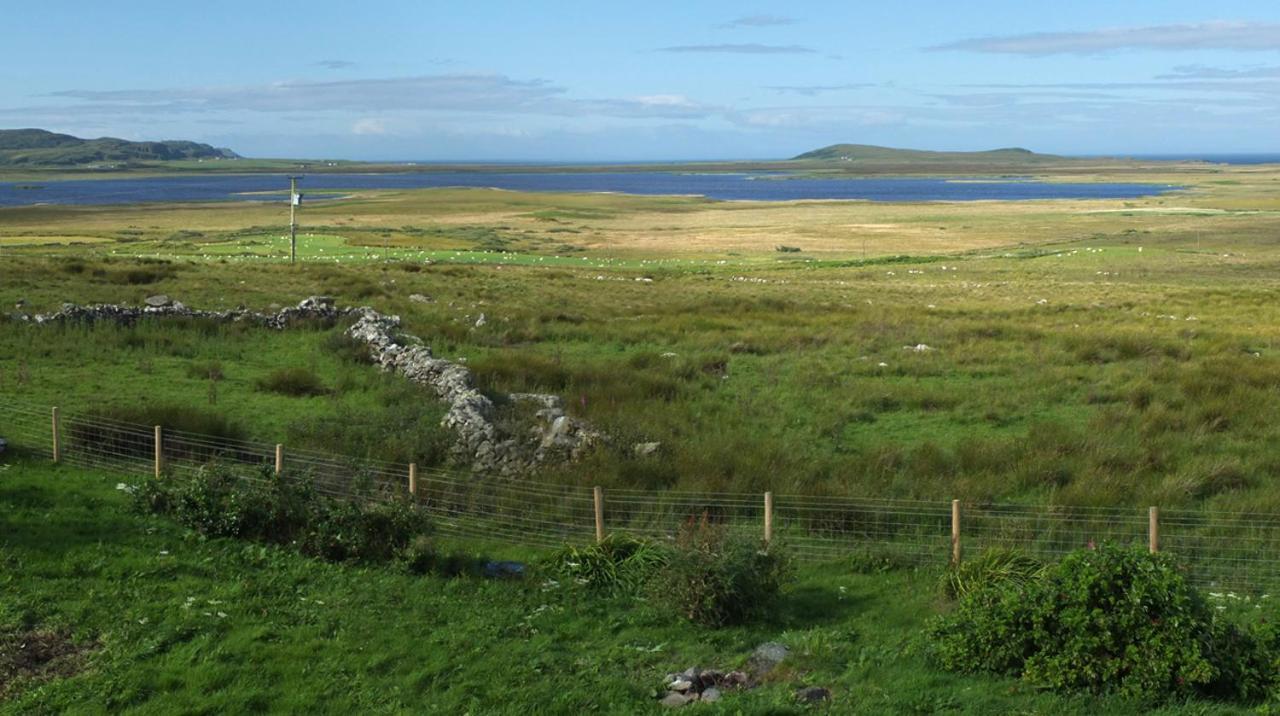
<point x="758" y="187"/>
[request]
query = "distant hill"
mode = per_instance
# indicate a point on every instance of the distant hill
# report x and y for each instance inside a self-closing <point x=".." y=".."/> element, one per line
<point x="41" y="148"/>
<point x="887" y="155"/>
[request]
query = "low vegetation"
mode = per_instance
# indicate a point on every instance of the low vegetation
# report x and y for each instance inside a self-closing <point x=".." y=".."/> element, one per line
<point x="1109" y="620"/>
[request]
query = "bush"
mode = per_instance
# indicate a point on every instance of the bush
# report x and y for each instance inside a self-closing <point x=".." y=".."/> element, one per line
<point x="716" y="578"/>
<point x="284" y="510"/>
<point x="296" y="381"/>
<point x="995" y="566"/>
<point x="1110" y="620"/>
<point x="422" y="556"/>
<point x="620" y="565"/>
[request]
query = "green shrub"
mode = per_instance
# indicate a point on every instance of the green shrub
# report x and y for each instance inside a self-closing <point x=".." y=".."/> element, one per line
<point x="284" y="510"/>
<point x="994" y="566"/>
<point x="422" y="556"/>
<point x="620" y="565"/>
<point x="715" y="577"/>
<point x="296" y="381"/>
<point x="341" y="531"/>
<point x="1110" y="620"/>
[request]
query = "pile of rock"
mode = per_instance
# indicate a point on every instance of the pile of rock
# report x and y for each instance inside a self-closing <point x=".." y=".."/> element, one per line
<point x="707" y="685"/>
<point x="481" y="443"/>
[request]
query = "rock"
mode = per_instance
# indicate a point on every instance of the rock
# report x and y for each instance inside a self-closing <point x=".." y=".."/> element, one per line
<point x="645" y="449"/>
<point x="421" y="298"/>
<point x="711" y="694"/>
<point x="736" y="678"/>
<point x="918" y="348"/>
<point x="675" y="699"/>
<point x="480" y="321"/>
<point x="766" y="658"/>
<point x="710" y="678"/>
<point x="20" y="303"/>
<point x="158" y="301"/>
<point x="680" y="685"/>
<point x="813" y="694"/>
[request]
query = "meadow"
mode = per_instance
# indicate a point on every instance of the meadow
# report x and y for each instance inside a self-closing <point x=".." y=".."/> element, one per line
<point x="1094" y="353"/>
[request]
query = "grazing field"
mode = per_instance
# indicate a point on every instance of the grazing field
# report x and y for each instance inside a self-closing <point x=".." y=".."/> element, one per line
<point x="1098" y="353"/>
<point x="1094" y="353"/>
<point x="148" y="617"/>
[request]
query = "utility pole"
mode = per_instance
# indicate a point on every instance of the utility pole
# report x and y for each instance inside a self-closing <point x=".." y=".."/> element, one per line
<point x="295" y="200"/>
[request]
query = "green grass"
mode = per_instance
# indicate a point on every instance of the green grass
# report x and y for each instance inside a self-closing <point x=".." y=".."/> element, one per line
<point x="176" y="623"/>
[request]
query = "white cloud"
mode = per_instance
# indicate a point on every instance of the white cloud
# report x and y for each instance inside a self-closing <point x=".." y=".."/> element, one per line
<point x="369" y="125"/>
<point x="1215" y="35"/>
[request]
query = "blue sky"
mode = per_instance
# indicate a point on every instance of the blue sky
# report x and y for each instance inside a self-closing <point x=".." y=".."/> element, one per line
<point x="648" y="81"/>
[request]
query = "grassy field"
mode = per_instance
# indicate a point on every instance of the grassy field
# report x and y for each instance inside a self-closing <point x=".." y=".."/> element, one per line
<point x="1106" y="353"/>
<point x="151" y="618"/>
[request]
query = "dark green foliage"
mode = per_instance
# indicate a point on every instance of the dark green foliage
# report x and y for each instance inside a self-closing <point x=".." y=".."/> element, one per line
<point x="424" y="556"/>
<point x="716" y="578"/>
<point x="1107" y="620"/>
<point x="37" y="147"/>
<point x="284" y="510"/>
<point x="620" y="565"/>
<point x="994" y="566"/>
<point x="295" y="381"/>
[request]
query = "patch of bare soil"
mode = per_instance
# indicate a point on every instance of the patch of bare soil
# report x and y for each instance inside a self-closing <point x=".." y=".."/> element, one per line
<point x="36" y="656"/>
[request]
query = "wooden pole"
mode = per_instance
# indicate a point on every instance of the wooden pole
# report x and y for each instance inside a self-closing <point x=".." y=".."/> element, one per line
<point x="159" y="451"/>
<point x="598" y="494"/>
<point x="57" y="435"/>
<point x="955" y="532"/>
<point x="1153" y="529"/>
<point x="413" y="479"/>
<point x="279" y="459"/>
<point x="768" y="517"/>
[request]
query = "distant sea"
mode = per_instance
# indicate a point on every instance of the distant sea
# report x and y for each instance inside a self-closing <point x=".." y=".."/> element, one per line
<point x="1252" y="158"/>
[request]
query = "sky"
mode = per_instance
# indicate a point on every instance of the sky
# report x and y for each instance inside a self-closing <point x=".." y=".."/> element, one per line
<point x="614" y="81"/>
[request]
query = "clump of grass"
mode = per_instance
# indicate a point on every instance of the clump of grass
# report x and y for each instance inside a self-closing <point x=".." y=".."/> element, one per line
<point x="295" y="381"/>
<point x="206" y="370"/>
<point x="989" y="569"/>
<point x="620" y="565"/>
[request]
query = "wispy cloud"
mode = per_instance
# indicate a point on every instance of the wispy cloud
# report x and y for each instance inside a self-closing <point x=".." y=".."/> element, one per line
<point x="749" y="48"/>
<point x="1202" y="72"/>
<point x="335" y="64"/>
<point x="813" y="90"/>
<point x="1216" y="35"/>
<point x="757" y="21"/>
<point x="485" y="93"/>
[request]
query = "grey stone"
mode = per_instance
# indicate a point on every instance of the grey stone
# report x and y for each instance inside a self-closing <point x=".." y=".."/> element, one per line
<point x="766" y="658"/>
<point x="421" y="298"/>
<point x="711" y="694"/>
<point x="675" y="699"/>
<point x="158" y="301"/>
<point x="813" y="694"/>
<point x="480" y="321"/>
<point x="645" y="449"/>
<point x="680" y="685"/>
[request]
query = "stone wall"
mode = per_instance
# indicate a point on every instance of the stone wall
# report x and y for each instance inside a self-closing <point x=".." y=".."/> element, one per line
<point x="549" y="436"/>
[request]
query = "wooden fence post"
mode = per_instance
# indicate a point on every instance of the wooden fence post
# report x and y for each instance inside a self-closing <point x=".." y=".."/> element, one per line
<point x="1153" y="529"/>
<point x="57" y="438"/>
<point x="159" y="451"/>
<point x="413" y="480"/>
<point x="598" y="495"/>
<point x="955" y="532"/>
<point x="279" y="459"/>
<point x="768" y="517"/>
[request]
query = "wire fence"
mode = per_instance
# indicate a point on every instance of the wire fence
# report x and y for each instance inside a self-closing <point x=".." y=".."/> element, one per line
<point x="1225" y="551"/>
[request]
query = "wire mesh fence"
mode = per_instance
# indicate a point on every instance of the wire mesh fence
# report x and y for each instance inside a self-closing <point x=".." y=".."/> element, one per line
<point x="1222" y="550"/>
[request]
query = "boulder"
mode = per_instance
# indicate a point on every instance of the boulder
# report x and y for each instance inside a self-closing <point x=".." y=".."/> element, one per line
<point x="813" y="695"/>
<point x="421" y="298"/>
<point x="766" y="658"/>
<point x="158" y="301"/>
<point x="676" y="699"/>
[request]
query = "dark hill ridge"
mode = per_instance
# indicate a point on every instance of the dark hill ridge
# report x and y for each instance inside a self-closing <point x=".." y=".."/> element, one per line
<point x="873" y="154"/>
<point x="38" y="147"/>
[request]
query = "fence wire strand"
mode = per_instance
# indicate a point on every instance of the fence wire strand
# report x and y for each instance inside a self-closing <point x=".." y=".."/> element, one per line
<point x="1222" y="550"/>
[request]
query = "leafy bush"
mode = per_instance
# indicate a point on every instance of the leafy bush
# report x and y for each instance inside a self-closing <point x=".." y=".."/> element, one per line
<point x="715" y="577"/>
<point x="620" y="565"/>
<point x="284" y="510"/>
<point x="296" y="381"/>
<point x="1110" y="620"/>
<point x="995" y="566"/>
<point x="422" y="556"/>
